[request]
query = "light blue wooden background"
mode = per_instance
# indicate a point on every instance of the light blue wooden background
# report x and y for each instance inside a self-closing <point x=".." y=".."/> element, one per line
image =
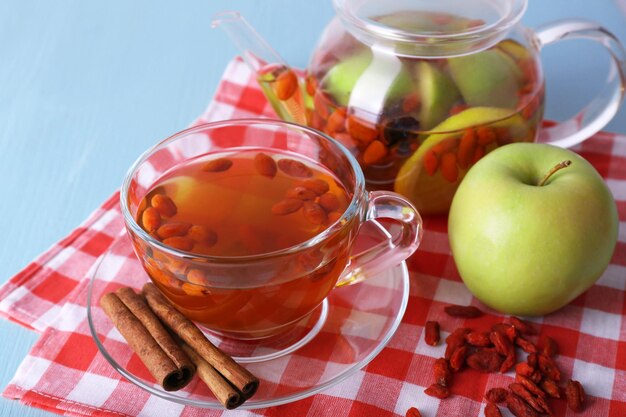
<point x="85" y="86"/>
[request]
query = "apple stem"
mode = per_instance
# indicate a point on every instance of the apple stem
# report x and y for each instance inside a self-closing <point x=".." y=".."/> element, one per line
<point x="554" y="169"/>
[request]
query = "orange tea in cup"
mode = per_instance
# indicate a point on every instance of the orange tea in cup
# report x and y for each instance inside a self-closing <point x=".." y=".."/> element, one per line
<point x="245" y="203"/>
<point x="247" y="225"/>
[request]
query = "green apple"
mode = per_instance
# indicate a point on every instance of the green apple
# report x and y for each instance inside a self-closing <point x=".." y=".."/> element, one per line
<point x="438" y="94"/>
<point x="528" y="237"/>
<point x="343" y="76"/>
<point x="487" y="78"/>
<point x="432" y="194"/>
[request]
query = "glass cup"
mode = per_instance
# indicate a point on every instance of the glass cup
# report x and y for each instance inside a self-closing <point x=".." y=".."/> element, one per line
<point x="262" y="295"/>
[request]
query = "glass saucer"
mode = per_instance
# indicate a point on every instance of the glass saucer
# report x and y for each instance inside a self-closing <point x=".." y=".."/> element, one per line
<point x="342" y="336"/>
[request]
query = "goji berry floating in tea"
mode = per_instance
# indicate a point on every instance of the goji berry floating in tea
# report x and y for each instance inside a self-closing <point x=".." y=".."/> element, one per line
<point x="241" y="204"/>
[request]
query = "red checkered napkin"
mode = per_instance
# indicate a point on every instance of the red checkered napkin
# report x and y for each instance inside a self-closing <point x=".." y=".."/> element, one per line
<point x="65" y="373"/>
<point x="35" y="296"/>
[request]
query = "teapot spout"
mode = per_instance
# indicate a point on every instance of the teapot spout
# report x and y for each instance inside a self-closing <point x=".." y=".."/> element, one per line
<point x="280" y="84"/>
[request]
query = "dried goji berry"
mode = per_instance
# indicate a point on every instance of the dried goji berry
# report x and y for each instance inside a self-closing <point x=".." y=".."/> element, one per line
<point x="437" y="391"/>
<point x="311" y="85"/>
<point x="509" y="361"/>
<point x="484" y="360"/>
<point x="492" y="410"/>
<point x="496" y="395"/>
<point x="286" y="84"/>
<point x="375" y="152"/>
<point x="458" y="335"/>
<point x="526" y="345"/>
<point x="445" y="146"/>
<point x="549" y="346"/>
<point x="164" y="204"/>
<point x="442" y="372"/>
<point x="467" y="144"/>
<point x="534" y="402"/>
<point x="196" y="276"/>
<point x="523" y="368"/>
<point x="329" y="201"/>
<point x="430" y="162"/>
<point x="450" y="172"/>
<point x="318" y="186"/>
<point x="478" y="339"/>
<point x="548" y="367"/>
<point x="508" y="329"/>
<point x="202" y="235"/>
<point x="479" y="152"/>
<point x="361" y="130"/>
<point x="287" y="206"/>
<point x="300" y="192"/>
<point x="575" y="395"/>
<point x="524" y="327"/>
<point x="173" y="229"/>
<point x="431" y="333"/>
<point x="314" y="213"/>
<point x="151" y="219"/>
<point x="336" y="121"/>
<point x="530" y="385"/>
<point x="519" y="407"/>
<point x="179" y="242"/>
<point x="217" y="165"/>
<point x="413" y="412"/>
<point x="486" y="135"/>
<point x="463" y="311"/>
<point x="501" y="342"/>
<point x="458" y="358"/>
<point x="265" y="165"/>
<point x="294" y="168"/>
<point x="532" y="360"/>
<point x="551" y="388"/>
<point x="536" y="376"/>
<point x="455" y="340"/>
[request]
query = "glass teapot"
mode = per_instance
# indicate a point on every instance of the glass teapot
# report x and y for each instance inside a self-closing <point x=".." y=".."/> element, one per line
<point x="420" y="90"/>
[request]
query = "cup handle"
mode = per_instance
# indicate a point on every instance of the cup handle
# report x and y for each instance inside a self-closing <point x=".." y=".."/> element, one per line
<point x="595" y="115"/>
<point x="396" y="248"/>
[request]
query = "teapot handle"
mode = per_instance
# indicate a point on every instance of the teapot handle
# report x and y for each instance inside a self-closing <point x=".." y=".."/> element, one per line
<point x="595" y="115"/>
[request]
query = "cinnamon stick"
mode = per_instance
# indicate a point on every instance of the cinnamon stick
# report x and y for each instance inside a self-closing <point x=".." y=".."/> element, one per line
<point x="225" y="393"/>
<point x="140" y="309"/>
<point x="237" y="375"/>
<point x="164" y="370"/>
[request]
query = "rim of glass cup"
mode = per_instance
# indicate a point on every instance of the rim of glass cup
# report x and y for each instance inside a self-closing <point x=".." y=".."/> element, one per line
<point x="516" y="11"/>
<point x="350" y="211"/>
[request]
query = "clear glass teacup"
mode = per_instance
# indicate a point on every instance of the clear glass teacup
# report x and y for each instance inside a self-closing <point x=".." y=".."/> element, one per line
<point x="247" y="225"/>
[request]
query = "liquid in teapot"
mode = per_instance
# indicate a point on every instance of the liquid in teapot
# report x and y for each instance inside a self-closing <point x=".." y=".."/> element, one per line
<point x="417" y="124"/>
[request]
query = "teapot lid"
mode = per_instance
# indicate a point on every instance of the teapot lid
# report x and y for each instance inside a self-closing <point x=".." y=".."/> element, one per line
<point x="427" y="28"/>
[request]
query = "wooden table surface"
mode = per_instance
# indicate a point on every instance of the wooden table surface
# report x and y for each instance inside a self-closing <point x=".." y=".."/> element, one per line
<point x="86" y="86"/>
